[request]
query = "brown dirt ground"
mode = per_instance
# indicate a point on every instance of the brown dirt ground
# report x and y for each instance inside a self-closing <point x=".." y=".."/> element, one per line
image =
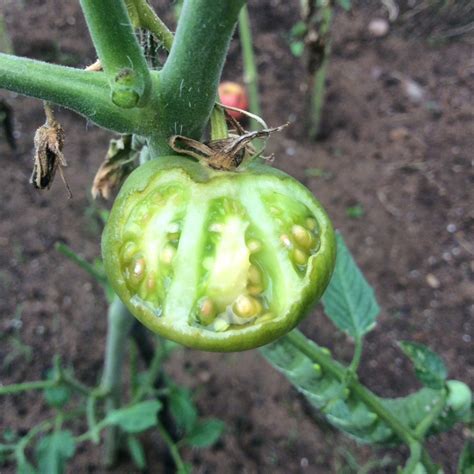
<point x="407" y="163"/>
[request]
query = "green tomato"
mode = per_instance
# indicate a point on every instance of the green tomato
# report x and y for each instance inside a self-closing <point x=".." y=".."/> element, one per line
<point x="217" y="260"/>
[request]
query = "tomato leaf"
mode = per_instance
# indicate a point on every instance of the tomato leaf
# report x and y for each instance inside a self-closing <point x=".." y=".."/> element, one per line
<point x="54" y="450"/>
<point x="137" y="453"/>
<point x="182" y="408"/>
<point x="429" y="367"/>
<point x="349" y="300"/>
<point x="135" y="418"/>
<point x="205" y="433"/>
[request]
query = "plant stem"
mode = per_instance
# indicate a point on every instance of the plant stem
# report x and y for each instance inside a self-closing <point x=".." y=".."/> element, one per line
<point x="26" y="386"/>
<point x="319" y="79"/>
<point x="174" y="451"/>
<point x="119" y="52"/>
<point x="119" y="325"/>
<point x="84" y="92"/>
<point x="250" y="68"/>
<point x="357" y="355"/>
<point x="190" y="76"/>
<point x="321" y="357"/>
<point x="145" y="17"/>
<point x="297" y="339"/>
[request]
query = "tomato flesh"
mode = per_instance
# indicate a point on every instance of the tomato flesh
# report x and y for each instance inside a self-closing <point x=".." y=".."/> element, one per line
<point x="217" y="260"/>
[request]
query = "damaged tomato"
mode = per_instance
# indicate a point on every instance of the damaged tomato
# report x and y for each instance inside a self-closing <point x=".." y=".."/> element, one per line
<point x="217" y="260"/>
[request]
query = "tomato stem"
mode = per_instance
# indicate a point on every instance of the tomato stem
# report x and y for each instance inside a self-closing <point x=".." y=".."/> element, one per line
<point x="189" y="79"/>
<point x="84" y="92"/>
<point x="119" y="325"/>
<point x="120" y="54"/>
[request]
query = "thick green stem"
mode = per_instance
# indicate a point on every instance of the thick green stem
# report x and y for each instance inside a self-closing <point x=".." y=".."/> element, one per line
<point x="119" y="324"/>
<point x="250" y="68"/>
<point x="189" y="79"/>
<point x="119" y="52"/>
<point x="84" y="92"/>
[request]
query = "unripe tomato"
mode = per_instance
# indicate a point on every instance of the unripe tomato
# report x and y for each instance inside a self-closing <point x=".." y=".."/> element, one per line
<point x="217" y="260"/>
<point x="234" y="95"/>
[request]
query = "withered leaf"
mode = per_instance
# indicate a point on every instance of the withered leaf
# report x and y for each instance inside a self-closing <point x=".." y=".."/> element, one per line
<point x="119" y="162"/>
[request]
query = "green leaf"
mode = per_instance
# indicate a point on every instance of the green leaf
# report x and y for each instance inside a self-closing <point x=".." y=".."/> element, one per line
<point x="205" y="433"/>
<point x="299" y="29"/>
<point x="355" y="212"/>
<point x="466" y="460"/>
<point x="349" y="300"/>
<point x="135" y="418"/>
<point x="182" y="408"/>
<point x="297" y="48"/>
<point x="56" y="397"/>
<point x="54" y="450"/>
<point x="345" y="4"/>
<point x="136" y="452"/>
<point x="429" y="367"/>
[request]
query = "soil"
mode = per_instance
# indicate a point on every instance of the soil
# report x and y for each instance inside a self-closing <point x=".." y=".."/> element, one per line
<point x="403" y="158"/>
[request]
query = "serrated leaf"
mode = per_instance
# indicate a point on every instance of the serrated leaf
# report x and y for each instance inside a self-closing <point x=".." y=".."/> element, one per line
<point x="349" y="300"/>
<point x="182" y="408"/>
<point x="135" y="418"/>
<point x="205" y="433"/>
<point x="429" y="367"/>
<point x="54" y="450"/>
<point x="466" y="460"/>
<point x="137" y="452"/>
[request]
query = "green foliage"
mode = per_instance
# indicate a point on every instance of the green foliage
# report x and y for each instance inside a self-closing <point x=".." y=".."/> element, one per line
<point x="429" y="367"/>
<point x="349" y="300"/>
<point x="355" y="212"/>
<point x="183" y="408"/>
<point x="135" y="418"/>
<point x="345" y="4"/>
<point x="136" y="451"/>
<point x="296" y="38"/>
<point x="205" y="433"/>
<point x="466" y="460"/>
<point x="54" y="450"/>
<point x="343" y="407"/>
<point x="59" y="395"/>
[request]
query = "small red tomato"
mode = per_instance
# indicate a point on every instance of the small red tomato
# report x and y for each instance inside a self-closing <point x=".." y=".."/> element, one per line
<point x="234" y="95"/>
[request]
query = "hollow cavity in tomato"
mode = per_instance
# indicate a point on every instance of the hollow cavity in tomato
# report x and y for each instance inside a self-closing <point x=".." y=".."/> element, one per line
<point x="217" y="260"/>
